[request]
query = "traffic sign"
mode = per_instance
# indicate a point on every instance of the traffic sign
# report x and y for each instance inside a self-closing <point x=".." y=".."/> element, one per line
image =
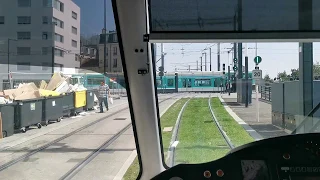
<point x="257" y="59"/>
<point x="256" y="74"/>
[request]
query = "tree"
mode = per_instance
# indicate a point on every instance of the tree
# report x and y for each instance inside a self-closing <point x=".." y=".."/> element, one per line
<point x="267" y="78"/>
<point x="294" y="73"/>
<point x="316" y="69"/>
<point x="283" y="76"/>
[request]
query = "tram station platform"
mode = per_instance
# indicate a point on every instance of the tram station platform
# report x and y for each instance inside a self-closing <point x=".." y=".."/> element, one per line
<point x="264" y="126"/>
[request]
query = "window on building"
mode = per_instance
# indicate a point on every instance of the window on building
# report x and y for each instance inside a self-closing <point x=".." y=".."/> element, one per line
<point x="24" y="3"/>
<point x="58" y="67"/>
<point x="115" y="50"/>
<point x="58" y="52"/>
<point x="23" y="66"/>
<point x="23" y="50"/>
<point x="107" y="51"/>
<point x="58" y="38"/>
<point x="47" y="3"/>
<point x="115" y="38"/>
<point x="58" y="22"/>
<point x="61" y="7"/>
<point x="74" y="43"/>
<point x="1" y="19"/>
<point x="44" y="35"/>
<point x="45" y="50"/>
<point x="24" y="19"/>
<point x="23" y="35"/>
<point x="45" y="20"/>
<point x="45" y="66"/>
<point x="58" y="5"/>
<point x="115" y="62"/>
<point x="74" y="15"/>
<point x="74" y="30"/>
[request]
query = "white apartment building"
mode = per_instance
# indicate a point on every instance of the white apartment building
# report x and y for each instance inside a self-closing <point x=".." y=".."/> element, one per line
<point x="113" y="57"/>
<point x="39" y="35"/>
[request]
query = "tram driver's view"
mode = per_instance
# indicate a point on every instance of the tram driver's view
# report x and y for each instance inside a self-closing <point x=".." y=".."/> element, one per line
<point x="286" y="157"/>
<point x="159" y="89"/>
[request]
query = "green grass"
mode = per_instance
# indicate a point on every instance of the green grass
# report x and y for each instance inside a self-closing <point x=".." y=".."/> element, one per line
<point x="235" y="132"/>
<point x="199" y="138"/>
<point x="168" y="119"/>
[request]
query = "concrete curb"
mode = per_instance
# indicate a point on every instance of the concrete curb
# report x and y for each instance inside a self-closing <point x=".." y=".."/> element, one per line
<point x="133" y="155"/>
<point x="245" y="126"/>
<point x="174" y="142"/>
<point x="126" y="166"/>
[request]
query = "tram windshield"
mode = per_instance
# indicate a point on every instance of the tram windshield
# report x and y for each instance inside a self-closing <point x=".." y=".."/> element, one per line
<point x="64" y="100"/>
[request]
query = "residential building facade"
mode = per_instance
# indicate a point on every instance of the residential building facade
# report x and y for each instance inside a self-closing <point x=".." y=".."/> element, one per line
<point x="41" y="36"/>
<point x="113" y="57"/>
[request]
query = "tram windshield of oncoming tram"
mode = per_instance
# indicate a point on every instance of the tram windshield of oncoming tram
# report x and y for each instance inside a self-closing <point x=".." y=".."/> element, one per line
<point x="212" y="98"/>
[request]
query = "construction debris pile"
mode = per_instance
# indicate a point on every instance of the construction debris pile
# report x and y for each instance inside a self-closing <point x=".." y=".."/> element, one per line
<point x="58" y="85"/>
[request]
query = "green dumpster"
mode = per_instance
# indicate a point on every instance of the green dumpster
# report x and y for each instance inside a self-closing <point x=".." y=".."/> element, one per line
<point x="68" y="104"/>
<point x="7" y="113"/>
<point x="52" y="109"/>
<point x="28" y="113"/>
<point x="89" y="101"/>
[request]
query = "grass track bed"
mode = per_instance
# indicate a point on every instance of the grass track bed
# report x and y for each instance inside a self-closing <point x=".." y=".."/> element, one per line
<point x="168" y="119"/>
<point x="199" y="138"/>
<point x="235" y="132"/>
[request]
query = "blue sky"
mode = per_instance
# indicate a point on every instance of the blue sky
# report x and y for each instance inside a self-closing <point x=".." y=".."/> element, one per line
<point x="276" y="57"/>
<point x="92" y="16"/>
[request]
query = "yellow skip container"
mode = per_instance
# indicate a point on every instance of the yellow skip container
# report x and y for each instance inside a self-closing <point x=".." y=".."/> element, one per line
<point x="80" y="99"/>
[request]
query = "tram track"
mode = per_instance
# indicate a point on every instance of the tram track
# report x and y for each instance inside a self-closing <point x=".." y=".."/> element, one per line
<point x="77" y="168"/>
<point x="51" y="143"/>
<point x="215" y="120"/>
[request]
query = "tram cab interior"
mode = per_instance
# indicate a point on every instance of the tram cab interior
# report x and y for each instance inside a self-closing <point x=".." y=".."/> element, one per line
<point x="140" y="23"/>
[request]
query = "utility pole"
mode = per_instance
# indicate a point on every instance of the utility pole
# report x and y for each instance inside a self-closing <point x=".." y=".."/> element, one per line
<point x="162" y="66"/>
<point x="9" y="76"/>
<point x="256" y="49"/>
<point x="235" y="55"/>
<point x="205" y="61"/>
<point x="162" y="56"/>
<point x="105" y="40"/>
<point x="210" y="60"/>
<point x="246" y="76"/>
<point x="229" y="89"/>
<point x="197" y="66"/>
<point x="240" y="44"/>
<point x="246" y="82"/>
<point x="218" y="56"/>
<point x="201" y="63"/>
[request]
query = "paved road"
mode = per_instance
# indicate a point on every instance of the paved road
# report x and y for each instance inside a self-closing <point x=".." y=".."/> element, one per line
<point x="56" y="160"/>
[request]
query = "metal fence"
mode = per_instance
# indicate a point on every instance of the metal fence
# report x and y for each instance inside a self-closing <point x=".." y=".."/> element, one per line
<point x="266" y="93"/>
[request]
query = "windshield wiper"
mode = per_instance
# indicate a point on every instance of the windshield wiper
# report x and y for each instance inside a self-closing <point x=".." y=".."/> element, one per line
<point x="305" y="120"/>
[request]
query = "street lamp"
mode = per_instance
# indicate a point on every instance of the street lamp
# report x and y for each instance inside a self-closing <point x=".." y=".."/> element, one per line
<point x="9" y="58"/>
<point x="205" y="60"/>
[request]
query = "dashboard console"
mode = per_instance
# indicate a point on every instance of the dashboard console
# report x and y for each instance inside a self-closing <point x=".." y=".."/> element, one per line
<point x="292" y="157"/>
